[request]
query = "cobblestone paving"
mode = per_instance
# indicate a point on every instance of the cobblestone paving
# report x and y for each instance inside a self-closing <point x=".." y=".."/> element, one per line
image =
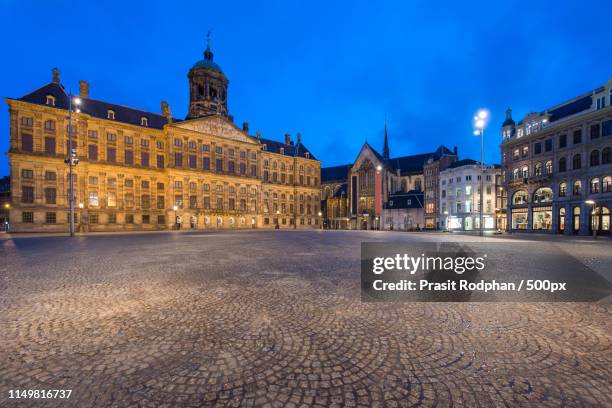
<point x="275" y="319"/>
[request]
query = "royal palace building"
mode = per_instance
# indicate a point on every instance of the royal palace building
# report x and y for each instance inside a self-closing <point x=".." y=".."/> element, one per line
<point x="557" y="166"/>
<point x="140" y="170"/>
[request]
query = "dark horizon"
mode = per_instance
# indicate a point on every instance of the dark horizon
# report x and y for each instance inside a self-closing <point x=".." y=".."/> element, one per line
<point x="332" y="75"/>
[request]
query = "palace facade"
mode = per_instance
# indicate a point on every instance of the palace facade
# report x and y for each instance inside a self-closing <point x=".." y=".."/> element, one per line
<point x="557" y="166"/>
<point x="140" y="170"/>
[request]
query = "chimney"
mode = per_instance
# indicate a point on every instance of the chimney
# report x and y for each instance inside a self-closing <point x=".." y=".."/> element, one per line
<point x="287" y="139"/>
<point x="455" y="150"/>
<point x="56" y="77"/>
<point x="245" y="127"/>
<point x="83" y="89"/>
<point x="166" y="112"/>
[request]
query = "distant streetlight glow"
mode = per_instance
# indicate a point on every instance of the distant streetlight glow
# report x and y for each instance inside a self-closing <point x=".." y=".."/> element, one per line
<point x="480" y="123"/>
<point x="175" y="208"/>
<point x="477" y="133"/>
<point x="379" y="167"/>
<point x="483" y="114"/>
<point x="590" y="202"/>
<point x="77" y="101"/>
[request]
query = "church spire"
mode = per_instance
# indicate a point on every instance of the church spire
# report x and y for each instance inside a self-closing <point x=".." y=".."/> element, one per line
<point x="386" y="145"/>
<point x="208" y="54"/>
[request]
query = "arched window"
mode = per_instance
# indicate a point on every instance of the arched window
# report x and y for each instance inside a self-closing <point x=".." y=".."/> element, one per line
<point x="562" y="189"/>
<point x="576" y="221"/>
<point x="607" y="184"/>
<point x="110" y="114"/>
<point x="606" y="155"/>
<point x="594" y="185"/>
<point x="543" y="195"/>
<point x="548" y="167"/>
<point x="562" y="164"/>
<point x="561" y="220"/>
<point x="516" y="174"/>
<point x="595" y="158"/>
<point x="51" y="100"/>
<point x="576" y="161"/>
<point x="538" y="169"/>
<point x="577" y="187"/>
<point x="525" y="171"/>
<point x="520" y="197"/>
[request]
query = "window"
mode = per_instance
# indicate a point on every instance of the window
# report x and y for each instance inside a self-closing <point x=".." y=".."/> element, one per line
<point x="128" y="140"/>
<point x="594" y="185"/>
<point x="525" y="171"/>
<point x="577" y="190"/>
<point x="111" y="199"/>
<point x="232" y="204"/>
<point x="50" y="195"/>
<point x="50" y="125"/>
<point x="218" y="150"/>
<point x="191" y="144"/>
<point x="205" y="148"/>
<point x="525" y="152"/>
<point x="129" y="157"/>
<point x="111" y="155"/>
<point x="92" y="152"/>
<point x="606" y="155"/>
<point x="27" y="216"/>
<point x="219" y="165"/>
<point x="145" y="201"/>
<point x="144" y="121"/>
<point x="27" y="194"/>
<point x="562" y="189"/>
<point x="50" y="100"/>
<point x="110" y="114"/>
<point x="129" y="218"/>
<point x="576" y="162"/>
<point x="27" y="174"/>
<point x="49" y="145"/>
<point x="595" y="129"/>
<point x="231" y="167"/>
<point x="542" y="218"/>
<point x="160" y="145"/>
<point x="128" y="198"/>
<point x="144" y="159"/>
<point x="206" y="187"/>
<point x="537" y="148"/>
<point x="607" y="184"/>
<point x="548" y="167"/>
<point x="253" y="170"/>
<point x="161" y="219"/>
<point x="562" y="141"/>
<point x="27" y="121"/>
<point x="161" y="202"/>
<point x="576" y="223"/>
<point x="606" y="127"/>
<point x="543" y="195"/>
<point x="92" y="134"/>
<point x="144" y="143"/>
<point x="577" y="136"/>
<point x="93" y="180"/>
<point x="50" y="175"/>
<point x="146" y="218"/>
<point x="562" y="165"/>
<point x="27" y="143"/>
<point x="520" y="197"/>
<point x="178" y="201"/>
<point x="206" y="203"/>
<point x="516" y="153"/>
<point x="178" y="143"/>
<point x="112" y="218"/>
<point x="178" y="159"/>
<point x="219" y="203"/>
<point x="594" y="158"/>
<point x="93" y="198"/>
<point x="538" y="169"/>
<point x="178" y="185"/>
<point x="160" y="161"/>
<point x="145" y="184"/>
<point x="548" y="145"/>
<point x="51" y="218"/>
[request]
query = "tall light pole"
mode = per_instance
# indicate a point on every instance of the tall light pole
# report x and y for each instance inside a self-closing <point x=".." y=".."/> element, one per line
<point x="72" y="159"/>
<point x="480" y="123"/>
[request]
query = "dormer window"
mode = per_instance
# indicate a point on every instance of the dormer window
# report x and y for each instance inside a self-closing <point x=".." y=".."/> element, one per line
<point x="144" y="121"/>
<point x="265" y="147"/>
<point x="50" y="100"/>
<point x="307" y="155"/>
<point x="282" y="150"/>
<point x="110" y="114"/>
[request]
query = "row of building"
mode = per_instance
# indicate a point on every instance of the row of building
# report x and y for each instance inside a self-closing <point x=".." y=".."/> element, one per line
<point x="555" y="176"/>
<point x="144" y="170"/>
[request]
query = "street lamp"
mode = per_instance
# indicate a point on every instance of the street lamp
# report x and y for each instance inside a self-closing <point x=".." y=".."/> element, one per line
<point x="446" y="221"/>
<point x="479" y="124"/>
<point x="72" y="160"/>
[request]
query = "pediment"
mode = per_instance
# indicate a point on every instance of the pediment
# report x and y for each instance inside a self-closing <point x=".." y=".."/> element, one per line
<point x="367" y="156"/>
<point x="216" y="126"/>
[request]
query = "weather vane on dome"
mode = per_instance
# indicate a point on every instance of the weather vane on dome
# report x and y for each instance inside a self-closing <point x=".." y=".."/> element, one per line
<point x="208" y="40"/>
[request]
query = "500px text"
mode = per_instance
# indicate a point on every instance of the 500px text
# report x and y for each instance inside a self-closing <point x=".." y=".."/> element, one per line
<point x="461" y="285"/>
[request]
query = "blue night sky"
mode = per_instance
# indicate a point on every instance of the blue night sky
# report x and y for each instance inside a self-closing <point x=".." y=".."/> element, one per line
<point x="328" y="70"/>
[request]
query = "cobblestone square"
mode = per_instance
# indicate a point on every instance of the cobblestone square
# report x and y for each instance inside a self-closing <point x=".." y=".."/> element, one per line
<point x="274" y="318"/>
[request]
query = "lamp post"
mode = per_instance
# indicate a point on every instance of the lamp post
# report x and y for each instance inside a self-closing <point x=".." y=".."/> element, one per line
<point x="479" y="124"/>
<point x="446" y="220"/>
<point x="320" y="219"/>
<point x="72" y="160"/>
<point x="175" y="208"/>
<point x="592" y="214"/>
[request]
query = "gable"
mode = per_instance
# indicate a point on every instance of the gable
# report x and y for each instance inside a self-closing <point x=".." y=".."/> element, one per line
<point x="217" y="126"/>
<point x="367" y="153"/>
